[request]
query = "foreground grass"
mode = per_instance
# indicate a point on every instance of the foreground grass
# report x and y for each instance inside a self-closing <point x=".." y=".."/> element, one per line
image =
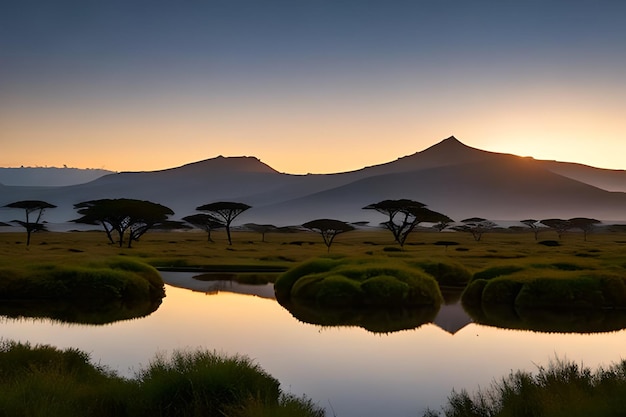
<point x="45" y="381"/>
<point x="563" y="389"/>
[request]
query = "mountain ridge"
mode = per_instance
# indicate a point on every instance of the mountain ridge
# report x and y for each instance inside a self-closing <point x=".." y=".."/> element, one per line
<point x="449" y="177"/>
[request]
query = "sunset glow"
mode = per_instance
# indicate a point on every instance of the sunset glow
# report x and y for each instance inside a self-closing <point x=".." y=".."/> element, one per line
<point x="320" y="87"/>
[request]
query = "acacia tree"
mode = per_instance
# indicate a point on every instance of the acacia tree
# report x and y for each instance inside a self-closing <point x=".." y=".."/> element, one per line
<point x="328" y="228"/>
<point x="31" y="224"/>
<point x="226" y="212"/>
<point x="477" y="226"/>
<point x="205" y="222"/>
<point x="560" y="226"/>
<point x="533" y="224"/>
<point x="261" y="228"/>
<point x="404" y="215"/>
<point x="583" y="223"/>
<point x="123" y="215"/>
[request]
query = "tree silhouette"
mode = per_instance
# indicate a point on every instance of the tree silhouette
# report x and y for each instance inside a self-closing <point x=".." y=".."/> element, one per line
<point x="205" y="222"/>
<point x="560" y="226"/>
<point x="533" y="224"/>
<point x="404" y="215"/>
<point x="123" y="215"/>
<point x="226" y="212"/>
<point x="477" y="226"/>
<point x="328" y="228"/>
<point x="261" y="228"/>
<point x="31" y="206"/>
<point x="583" y="223"/>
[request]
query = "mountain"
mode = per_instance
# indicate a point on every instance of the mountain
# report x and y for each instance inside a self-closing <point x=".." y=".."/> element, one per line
<point x="450" y="177"/>
<point x="49" y="177"/>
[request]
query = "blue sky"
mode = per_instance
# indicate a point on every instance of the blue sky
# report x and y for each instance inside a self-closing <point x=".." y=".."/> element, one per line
<point x="308" y="86"/>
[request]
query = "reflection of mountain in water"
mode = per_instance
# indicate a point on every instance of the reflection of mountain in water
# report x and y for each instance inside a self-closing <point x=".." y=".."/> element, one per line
<point x="452" y="318"/>
<point x="449" y="317"/>
<point x="189" y="281"/>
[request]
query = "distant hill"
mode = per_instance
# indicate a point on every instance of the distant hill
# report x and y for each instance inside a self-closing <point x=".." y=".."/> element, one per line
<point x="49" y="177"/>
<point x="450" y="177"/>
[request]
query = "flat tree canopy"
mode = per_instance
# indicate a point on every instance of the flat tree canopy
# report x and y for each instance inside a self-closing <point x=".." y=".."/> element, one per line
<point x="225" y="211"/>
<point x="477" y="226"/>
<point x="122" y="215"/>
<point x="31" y="206"/>
<point x="261" y="228"/>
<point x="404" y="215"/>
<point x="205" y="222"/>
<point x="328" y="228"/>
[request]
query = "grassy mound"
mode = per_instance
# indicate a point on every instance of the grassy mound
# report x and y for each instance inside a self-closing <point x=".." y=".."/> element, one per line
<point x="43" y="380"/>
<point x="116" y="279"/>
<point x="89" y="293"/>
<point x="556" y="285"/>
<point x="446" y="273"/>
<point x="358" y="282"/>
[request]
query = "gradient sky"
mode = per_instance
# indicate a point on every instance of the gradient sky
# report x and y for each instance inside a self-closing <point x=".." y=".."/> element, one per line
<point x="308" y="86"/>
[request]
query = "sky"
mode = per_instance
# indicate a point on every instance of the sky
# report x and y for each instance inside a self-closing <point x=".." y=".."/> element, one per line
<point x="313" y="86"/>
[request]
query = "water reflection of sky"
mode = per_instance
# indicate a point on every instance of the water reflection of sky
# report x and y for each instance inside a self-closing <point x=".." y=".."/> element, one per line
<point x="358" y="372"/>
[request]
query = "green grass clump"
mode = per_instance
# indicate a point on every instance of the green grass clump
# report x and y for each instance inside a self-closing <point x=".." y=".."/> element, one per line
<point x="284" y="284"/>
<point x="577" y="292"/>
<point x="116" y="279"/>
<point x="446" y="272"/>
<point x="563" y="389"/>
<point x="203" y="383"/>
<point x="45" y="381"/>
<point x="355" y="281"/>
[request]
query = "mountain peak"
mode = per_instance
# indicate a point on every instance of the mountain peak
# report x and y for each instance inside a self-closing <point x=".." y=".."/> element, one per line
<point x="450" y="143"/>
<point x="229" y="164"/>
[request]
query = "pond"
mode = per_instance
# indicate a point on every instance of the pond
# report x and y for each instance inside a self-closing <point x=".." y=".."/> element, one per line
<point x="348" y="370"/>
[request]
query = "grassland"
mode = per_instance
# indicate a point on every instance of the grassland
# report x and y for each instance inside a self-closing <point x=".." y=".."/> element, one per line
<point x="506" y="258"/>
<point x="506" y="249"/>
<point x="502" y="255"/>
<point x="499" y="253"/>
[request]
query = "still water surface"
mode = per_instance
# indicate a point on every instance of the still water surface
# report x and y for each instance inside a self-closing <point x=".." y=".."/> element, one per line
<point x="348" y="370"/>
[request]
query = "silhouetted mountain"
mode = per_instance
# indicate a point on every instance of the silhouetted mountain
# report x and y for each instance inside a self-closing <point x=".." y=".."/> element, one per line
<point x="449" y="177"/>
<point x="607" y="179"/>
<point x="48" y="177"/>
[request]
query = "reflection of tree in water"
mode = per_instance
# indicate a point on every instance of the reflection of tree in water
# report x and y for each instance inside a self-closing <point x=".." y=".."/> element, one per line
<point x="375" y="320"/>
<point x="548" y="320"/>
<point x="85" y="312"/>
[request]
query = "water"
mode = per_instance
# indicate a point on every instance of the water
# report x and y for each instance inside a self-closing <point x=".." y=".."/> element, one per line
<point x="348" y="370"/>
